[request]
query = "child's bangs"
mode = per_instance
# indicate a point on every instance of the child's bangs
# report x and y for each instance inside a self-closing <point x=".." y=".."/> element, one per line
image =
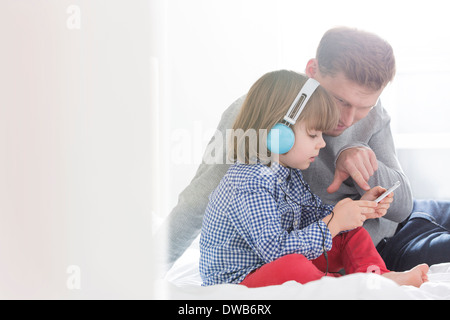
<point x="321" y="113"/>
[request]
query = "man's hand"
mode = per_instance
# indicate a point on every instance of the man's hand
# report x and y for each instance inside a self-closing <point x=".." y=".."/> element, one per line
<point x="359" y="163"/>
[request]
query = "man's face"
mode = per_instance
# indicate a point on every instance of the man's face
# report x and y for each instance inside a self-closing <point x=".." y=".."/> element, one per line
<point x="354" y="101"/>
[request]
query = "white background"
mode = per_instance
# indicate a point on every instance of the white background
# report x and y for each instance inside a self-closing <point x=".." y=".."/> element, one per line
<point x="104" y="124"/>
<point x="75" y="153"/>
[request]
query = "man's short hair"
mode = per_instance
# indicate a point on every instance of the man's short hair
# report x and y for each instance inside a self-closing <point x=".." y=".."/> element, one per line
<point x="362" y="57"/>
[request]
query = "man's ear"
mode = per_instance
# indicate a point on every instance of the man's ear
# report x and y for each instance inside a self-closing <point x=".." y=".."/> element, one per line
<point x="312" y="68"/>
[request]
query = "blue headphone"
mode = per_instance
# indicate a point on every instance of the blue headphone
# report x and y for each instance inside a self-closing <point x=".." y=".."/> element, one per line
<point x="281" y="137"/>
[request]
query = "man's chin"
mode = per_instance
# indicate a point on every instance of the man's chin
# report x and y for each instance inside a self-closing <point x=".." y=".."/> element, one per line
<point x="335" y="132"/>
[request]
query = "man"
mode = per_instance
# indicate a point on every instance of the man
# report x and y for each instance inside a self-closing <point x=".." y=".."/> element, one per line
<point x="354" y="66"/>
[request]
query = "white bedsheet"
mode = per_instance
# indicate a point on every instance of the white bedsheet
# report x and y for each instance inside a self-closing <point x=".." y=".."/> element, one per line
<point x="183" y="282"/>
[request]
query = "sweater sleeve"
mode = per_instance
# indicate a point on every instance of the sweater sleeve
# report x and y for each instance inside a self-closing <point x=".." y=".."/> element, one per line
<point x="389" y="171"/>
<point x="375" y="133"/>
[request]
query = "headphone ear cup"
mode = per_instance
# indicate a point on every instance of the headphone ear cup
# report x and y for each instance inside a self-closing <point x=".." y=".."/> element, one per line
<point x="280" y="139"/>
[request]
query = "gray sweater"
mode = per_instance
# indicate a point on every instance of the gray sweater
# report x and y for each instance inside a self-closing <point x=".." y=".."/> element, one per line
<point x="184" y="222"/>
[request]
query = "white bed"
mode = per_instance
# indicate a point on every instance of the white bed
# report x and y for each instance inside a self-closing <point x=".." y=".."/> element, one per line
<point x="182" y="282"/>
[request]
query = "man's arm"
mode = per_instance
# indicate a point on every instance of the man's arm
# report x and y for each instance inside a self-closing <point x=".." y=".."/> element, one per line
<point x="374" y="162"/>
<point x="185" y="220"/>
<point x="389" y="171"/>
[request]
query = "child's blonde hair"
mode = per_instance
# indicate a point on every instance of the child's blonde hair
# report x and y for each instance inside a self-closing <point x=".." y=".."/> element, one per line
<point x="266" y="104"/>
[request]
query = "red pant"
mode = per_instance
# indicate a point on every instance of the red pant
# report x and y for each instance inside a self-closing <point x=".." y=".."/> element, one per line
<point x="353" y="251"/>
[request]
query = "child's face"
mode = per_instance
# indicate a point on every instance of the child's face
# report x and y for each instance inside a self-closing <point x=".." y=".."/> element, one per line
<point x="306" y="148"/>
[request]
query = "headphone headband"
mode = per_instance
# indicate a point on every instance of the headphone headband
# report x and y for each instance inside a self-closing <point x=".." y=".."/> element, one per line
<point x="281" y="137"/>
<point x="300" y="101"/>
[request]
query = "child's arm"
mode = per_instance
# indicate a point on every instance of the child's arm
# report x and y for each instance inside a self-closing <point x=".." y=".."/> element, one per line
<point x="257" y="219"/>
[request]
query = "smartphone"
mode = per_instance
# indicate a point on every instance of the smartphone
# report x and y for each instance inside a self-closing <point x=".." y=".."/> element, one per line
<point x="391" y="189"/>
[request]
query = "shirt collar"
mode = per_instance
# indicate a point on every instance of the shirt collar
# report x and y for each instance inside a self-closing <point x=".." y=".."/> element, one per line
<point x="281" y="172"/>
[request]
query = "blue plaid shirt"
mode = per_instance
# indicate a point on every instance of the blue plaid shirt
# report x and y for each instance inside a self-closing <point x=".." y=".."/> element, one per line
<point x="256" y="215"/>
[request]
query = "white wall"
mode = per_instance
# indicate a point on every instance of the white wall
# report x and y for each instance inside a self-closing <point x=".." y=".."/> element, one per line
<point x="75" y="150"/>
<point x="217" y="49"/>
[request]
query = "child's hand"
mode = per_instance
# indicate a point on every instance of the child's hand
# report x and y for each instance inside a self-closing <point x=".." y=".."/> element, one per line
<point x="349" y="214"/>
<point x="384" y="204"/>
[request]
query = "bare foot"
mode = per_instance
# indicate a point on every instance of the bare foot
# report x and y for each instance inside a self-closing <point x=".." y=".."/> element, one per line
<point x="414" y="277"/>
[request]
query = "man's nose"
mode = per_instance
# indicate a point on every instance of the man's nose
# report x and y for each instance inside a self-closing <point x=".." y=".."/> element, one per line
<point x="348" y="116"/>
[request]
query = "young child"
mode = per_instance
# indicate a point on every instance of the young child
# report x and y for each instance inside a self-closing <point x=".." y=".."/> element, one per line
<point x="263" y="225"/>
